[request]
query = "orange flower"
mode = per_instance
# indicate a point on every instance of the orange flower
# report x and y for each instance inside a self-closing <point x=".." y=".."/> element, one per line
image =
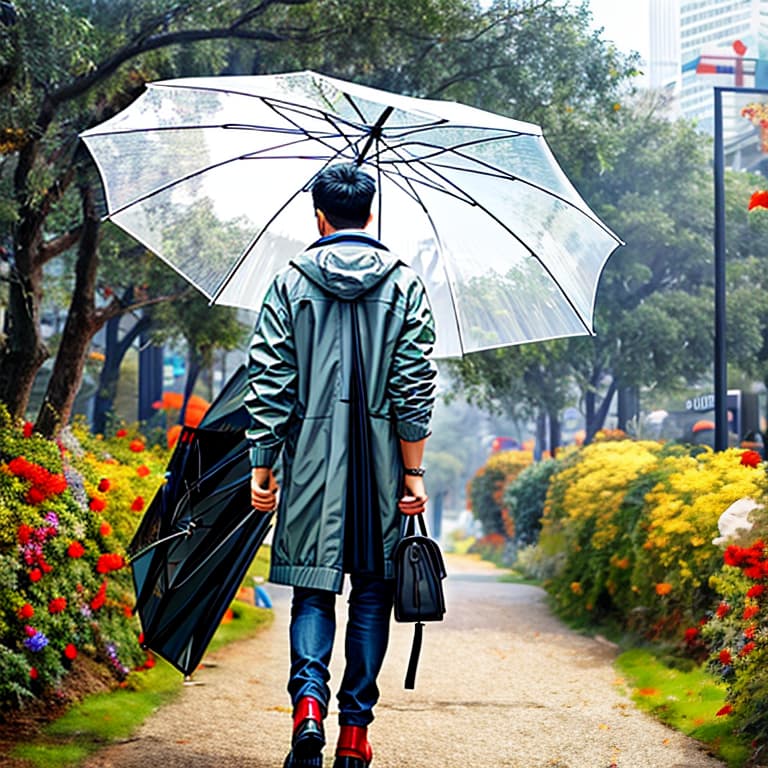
<point x="105" y="529"/>
<point x="663" y="588"/>
<point x="136" y="446"/>
<point x="75" y="550"/>
<point x="97" y="505"/>
<point x="142" y="470"/>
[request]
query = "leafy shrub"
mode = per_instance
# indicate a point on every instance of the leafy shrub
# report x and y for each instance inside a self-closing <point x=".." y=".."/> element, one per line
<point x="67" y="511"/>
<point x="631" y="524"/>
<point x="524" y="499"/>
<point x="486" y="491"/>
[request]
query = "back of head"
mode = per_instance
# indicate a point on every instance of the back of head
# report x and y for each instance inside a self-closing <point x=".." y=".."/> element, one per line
<point x="344" y="193"/>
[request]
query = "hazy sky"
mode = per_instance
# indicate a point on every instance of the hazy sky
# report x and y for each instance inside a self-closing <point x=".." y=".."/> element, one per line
<point x="625" y="22"/>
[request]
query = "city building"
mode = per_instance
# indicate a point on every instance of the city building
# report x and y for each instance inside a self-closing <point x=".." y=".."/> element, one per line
<point x="698" y="44"/>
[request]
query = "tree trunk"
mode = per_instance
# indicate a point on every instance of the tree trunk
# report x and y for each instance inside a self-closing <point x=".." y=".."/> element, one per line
<point x="23" y="350"/>
<point x="628" y="406"/>
<point x="82" y="323"/>
<point x="116" y="349"/>
<point x="150" y="377"/>
<point x="596" y="421"/>
<point x="554" y="433"/>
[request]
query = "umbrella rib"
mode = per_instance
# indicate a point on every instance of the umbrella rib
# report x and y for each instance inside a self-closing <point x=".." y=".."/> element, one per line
<point x="200" y="172"/>
<point x="530" y="250"/>
<point x="415" y="196"/>
<point x="474" y="202"/>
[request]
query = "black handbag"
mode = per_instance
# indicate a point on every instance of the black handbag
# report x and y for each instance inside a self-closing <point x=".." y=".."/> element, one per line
<point x="419" y="574"/>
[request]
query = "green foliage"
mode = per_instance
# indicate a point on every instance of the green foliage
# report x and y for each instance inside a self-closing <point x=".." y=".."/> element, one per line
<point x="524" y="497"/>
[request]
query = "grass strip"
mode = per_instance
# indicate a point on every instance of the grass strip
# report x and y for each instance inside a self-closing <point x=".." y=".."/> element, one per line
<point x="685" y="699"/>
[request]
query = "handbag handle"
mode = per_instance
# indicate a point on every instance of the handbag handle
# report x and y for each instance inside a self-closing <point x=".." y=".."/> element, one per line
<point x="408" y="527"/>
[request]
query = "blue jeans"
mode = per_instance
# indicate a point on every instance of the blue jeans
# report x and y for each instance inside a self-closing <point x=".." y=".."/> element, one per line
<point x="313" y="627"/>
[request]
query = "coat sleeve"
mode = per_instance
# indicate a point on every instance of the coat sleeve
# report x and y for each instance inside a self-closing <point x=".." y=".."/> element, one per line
<point x="272" y="375"/>
<point x="412" y="376"/>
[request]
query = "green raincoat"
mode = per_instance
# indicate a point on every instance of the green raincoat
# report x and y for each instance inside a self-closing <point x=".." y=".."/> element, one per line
<point x="298" y="398"/>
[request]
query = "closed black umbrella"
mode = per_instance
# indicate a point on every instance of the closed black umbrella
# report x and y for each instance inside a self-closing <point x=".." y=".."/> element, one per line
<point x="199" y="535"/>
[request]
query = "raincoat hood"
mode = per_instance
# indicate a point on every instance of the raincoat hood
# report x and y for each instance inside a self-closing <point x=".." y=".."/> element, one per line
<point x="346" y="264"/>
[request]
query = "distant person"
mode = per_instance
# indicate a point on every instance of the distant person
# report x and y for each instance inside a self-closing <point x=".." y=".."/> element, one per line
<point x="342" y="383"/>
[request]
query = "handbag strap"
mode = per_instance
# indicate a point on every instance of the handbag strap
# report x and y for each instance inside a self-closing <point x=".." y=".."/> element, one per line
<point x="413" y="661"/>
<point x="408" y="527"/>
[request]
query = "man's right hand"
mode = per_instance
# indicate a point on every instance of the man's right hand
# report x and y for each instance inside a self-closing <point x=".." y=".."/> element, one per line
<point x="263" y="490"/>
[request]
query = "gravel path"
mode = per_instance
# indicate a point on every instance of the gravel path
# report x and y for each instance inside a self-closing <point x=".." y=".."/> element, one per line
<point x="501" y="683"/>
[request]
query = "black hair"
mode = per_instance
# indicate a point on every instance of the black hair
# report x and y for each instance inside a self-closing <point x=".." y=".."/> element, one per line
<point x="344" y="193"/>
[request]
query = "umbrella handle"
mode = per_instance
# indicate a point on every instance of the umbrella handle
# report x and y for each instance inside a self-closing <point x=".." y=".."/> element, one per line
<point x="187" y="532"/>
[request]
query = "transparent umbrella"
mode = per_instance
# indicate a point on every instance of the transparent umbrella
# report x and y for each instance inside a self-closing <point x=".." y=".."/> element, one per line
<point x="213" y="175"/>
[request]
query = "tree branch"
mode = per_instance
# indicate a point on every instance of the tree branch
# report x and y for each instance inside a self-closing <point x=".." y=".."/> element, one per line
<point x="154" y="42"/>
<point x="56" y="245"/>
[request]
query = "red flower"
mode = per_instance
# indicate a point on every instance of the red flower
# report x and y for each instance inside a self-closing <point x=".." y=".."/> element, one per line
<point x="47" y="567"/>
<point x="33" y="673"/>
<point x="26" y="611"/>
<point x="24" y="533"/>
<point x="35" y="495"/>
<point x="105" y="529"/>
<point x="28" y="429"/>
<point x="127" y="611"/>
<point x="35" y="574"/>
<point x="691" y="634"/>
<point x="136" y="446"/>
<point x="138" y="504"/>
<point x="70" y="652"/>
<point x="97" y="505"/>
<point x="751" y="459"/>
<point x="109" y="562"/>
<point x="75" y="550"/>
<point x="722" y="610"/>
<point x="759" y="199"/>
<point x="100" y="597"/>
<point x="725" y="657"/>
<point x="104" y="485"/>
<point x="756" y="590"/>
<point x="140" y="638"/>
<point x="749" y="632"/>
<point x="142" y="471"/>
<point x="726" y="710"/>
<point x="57" y="605"/>
<point x="747" y="649"/>
<point x="121" y="433"/>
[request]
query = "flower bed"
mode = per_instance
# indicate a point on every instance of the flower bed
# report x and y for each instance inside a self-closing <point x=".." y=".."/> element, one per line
<point x="67" y="512"/>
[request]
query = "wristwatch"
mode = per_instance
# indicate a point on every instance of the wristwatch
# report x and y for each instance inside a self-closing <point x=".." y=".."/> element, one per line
<point x="415" y="471"/>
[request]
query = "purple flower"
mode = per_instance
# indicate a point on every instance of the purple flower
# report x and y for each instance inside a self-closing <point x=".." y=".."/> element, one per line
<point x="37" y="642"/>
<point x="52" y="519"/>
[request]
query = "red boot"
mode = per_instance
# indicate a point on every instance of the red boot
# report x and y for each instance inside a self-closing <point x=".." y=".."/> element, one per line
<point x="353" y="749"/>
<point x="308" y="735"/>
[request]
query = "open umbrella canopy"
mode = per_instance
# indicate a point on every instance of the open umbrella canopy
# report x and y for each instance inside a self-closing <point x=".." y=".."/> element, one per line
<point x="212" y="174"/>
<point x="199" y="535"/>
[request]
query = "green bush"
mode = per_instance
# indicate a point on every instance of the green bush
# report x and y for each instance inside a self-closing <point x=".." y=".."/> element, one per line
<point x="524" y="497"/>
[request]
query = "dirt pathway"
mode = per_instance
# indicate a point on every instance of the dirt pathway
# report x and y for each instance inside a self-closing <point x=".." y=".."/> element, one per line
<point x="500" y="683"/>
